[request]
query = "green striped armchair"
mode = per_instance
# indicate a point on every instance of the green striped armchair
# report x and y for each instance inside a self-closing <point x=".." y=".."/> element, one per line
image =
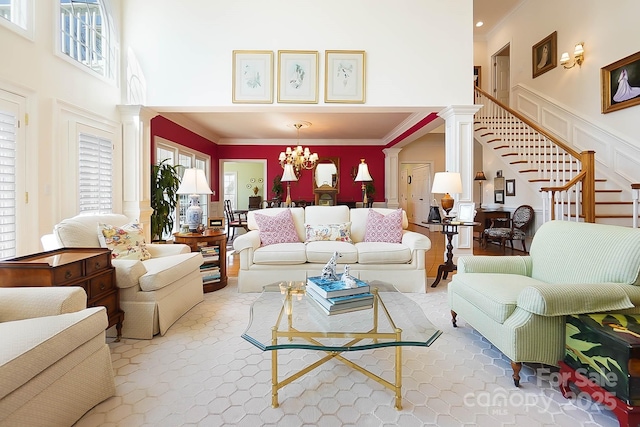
<point x="519" y="303"/>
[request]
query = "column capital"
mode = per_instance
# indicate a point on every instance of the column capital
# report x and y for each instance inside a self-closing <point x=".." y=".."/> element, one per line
<point x="458" y="110"/>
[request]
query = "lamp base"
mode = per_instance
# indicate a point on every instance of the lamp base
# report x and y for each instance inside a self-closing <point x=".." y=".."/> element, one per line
<point x="194" y="213"/>
<point x="447" y="203"/>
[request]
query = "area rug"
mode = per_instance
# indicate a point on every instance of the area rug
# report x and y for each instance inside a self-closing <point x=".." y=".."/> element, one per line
<point x="203" y="373"/>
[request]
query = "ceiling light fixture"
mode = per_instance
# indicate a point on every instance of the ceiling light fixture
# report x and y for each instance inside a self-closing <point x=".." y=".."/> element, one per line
<point x="479" y="24"/>
<point x="300" y="158"/>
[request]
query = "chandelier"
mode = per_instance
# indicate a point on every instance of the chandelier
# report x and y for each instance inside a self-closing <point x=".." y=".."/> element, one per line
<point x="300" y="158"/>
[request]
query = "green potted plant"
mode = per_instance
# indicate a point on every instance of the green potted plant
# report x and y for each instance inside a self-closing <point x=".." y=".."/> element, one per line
<point x="165" y="181"/>
<point x="370" y="189"/>
<point x="276" y="189"/>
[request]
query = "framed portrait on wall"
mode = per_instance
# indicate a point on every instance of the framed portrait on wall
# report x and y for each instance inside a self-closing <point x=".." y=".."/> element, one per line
<point x="510" y="189"/>
<point x="621" y="84"/>
<point x="544" y="55"/>
<point x="498" y="196"/>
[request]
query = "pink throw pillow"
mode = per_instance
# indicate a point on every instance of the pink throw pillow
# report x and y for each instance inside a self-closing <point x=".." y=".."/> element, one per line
<point x="381" y="228"/>
<point x="277" y="229"/>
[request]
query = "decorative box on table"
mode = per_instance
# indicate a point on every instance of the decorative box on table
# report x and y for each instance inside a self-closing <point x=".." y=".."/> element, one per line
<point x="606" y="349"/>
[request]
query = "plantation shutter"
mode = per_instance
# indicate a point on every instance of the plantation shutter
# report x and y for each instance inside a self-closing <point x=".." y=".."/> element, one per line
<point x="95" y="174"/>
<point x="8" y="142"/>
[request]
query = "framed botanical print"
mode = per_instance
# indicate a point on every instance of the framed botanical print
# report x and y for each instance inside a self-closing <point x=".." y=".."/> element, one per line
<point x="252" y="76"/>
<point x="344" y="76"/>
<point x="298" y="76"/>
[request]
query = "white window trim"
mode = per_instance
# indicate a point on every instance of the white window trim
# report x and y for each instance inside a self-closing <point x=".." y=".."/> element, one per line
<point x="28" y="30"/>
<point x="114" y="40"/>
<point x="71" y="121"/>
<point x="181" y="149"/>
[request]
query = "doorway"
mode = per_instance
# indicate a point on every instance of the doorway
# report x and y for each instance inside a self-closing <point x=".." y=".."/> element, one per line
<point x="415" y="191"/>
<point x="501" y="75"/>
<point x="242" y="179"/>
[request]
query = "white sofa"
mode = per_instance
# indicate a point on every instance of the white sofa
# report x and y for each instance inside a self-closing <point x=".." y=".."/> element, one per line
<point x="54" y="362"/>
<point x="153" y="293"/>
<point x="402" y="264"/>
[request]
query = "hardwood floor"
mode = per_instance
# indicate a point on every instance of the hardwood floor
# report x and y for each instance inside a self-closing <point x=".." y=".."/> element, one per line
<point x="434" y="257"/>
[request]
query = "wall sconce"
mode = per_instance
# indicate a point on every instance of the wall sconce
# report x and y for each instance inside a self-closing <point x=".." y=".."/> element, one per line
<point x="578" y="56"/>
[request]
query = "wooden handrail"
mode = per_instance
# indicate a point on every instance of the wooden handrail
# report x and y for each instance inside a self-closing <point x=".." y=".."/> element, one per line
<point x="586" y="176"/>
<point x="532" y="125"/>
<point x="568" y="185"/>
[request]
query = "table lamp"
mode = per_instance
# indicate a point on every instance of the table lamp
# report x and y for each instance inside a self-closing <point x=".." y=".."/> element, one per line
<point x="480" y="177"/>
<point x="194" y="183"/>
<point x="363" y="176"/>
<point x="445" y="183"/>
<point x="288" y="175"/>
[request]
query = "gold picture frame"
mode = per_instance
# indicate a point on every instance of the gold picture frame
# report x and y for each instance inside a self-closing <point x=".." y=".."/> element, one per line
<point x="544" y="55"/>
<point x="252" y="77"/>
<point x="298" y="76"/>
<point x="621" y="84"/>
<point x="344" y="76"/>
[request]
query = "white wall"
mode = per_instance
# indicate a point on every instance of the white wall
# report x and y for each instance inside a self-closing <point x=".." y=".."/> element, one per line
<point x="185" y="48"/>
<point x="609" y="30"/>
<point x="32" y="69"/>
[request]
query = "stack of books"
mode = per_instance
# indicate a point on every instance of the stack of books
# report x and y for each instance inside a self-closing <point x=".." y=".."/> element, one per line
<point x="210" y="274"/>
<point x="335" y="297"/>
<point x="210" y="269"/>
<point x="210" y="253"/>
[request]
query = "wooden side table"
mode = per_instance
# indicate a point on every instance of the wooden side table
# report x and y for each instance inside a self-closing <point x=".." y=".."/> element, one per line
<point x="213" y="245"/>
<point x="449" y="229"/>
<point x="89" y="268"/>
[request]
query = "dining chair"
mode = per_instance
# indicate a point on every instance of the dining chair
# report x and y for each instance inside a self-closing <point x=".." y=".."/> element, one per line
<point x="234" y="220"/>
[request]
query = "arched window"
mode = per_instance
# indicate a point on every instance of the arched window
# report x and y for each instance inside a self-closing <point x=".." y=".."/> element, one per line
<point x="87" y="35"/>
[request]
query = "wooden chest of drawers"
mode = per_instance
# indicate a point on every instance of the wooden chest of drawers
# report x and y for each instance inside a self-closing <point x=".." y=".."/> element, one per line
<point x="89" y="268"/>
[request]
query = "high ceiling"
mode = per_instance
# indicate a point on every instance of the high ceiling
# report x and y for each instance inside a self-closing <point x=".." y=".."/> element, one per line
<point x="329" y="125"/>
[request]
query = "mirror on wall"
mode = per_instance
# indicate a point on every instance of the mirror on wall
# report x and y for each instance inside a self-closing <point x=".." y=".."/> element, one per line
<point x="326" y="172"/>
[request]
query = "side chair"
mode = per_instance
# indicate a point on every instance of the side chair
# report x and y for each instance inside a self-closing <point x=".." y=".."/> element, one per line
<point x="503" y="229"/>
<point x="234" y="220"/>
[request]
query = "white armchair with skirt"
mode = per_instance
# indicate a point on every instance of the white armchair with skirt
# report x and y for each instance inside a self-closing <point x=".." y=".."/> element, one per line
<point x="154" y="292"/>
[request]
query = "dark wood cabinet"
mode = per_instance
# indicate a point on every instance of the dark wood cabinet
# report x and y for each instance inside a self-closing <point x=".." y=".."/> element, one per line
<point x="89" y="268"/>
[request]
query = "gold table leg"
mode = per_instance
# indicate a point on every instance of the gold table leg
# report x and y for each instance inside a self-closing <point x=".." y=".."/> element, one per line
<point x="274" y="369"/>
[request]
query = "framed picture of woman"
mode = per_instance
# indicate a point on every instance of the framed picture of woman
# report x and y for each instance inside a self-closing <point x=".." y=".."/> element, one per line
<point x="621" y="84"/>
<point x="544" y="55"/>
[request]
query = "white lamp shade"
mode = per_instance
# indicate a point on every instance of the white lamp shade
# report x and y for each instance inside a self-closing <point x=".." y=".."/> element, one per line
<point x="564" y="58"/>
<point x="194" y="182"/>
<point x="288" y="174"/>
<point x="447" y="182"/>
<point x="363" y="172"/>
<point x="579" y="49"/>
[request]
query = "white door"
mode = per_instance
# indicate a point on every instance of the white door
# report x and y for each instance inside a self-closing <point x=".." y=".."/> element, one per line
<point x="420" y="191"/>
<point x="14" y="219"/>
<point x="502" y="83"/>
<point x="404" y="188"/>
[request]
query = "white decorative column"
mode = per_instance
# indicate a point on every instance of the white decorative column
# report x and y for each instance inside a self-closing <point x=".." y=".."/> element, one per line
<point x="391" y="173"/>
<point x="459" y="158"/>
<point x="136" y="164"/>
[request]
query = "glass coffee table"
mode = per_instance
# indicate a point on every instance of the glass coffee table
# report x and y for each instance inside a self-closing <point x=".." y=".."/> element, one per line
<point x="285" y="317"/>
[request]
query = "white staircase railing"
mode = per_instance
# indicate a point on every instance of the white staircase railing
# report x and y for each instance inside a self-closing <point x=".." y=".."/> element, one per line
<point x="566" y="177"/>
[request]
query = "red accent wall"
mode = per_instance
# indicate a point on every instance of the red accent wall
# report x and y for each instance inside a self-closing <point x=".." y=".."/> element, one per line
<point x="350" y="155"/>
<point x="165" y="128"/>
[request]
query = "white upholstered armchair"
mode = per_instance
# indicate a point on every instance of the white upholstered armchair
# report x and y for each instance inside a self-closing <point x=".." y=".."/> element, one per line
<point x="155" y="292"/>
